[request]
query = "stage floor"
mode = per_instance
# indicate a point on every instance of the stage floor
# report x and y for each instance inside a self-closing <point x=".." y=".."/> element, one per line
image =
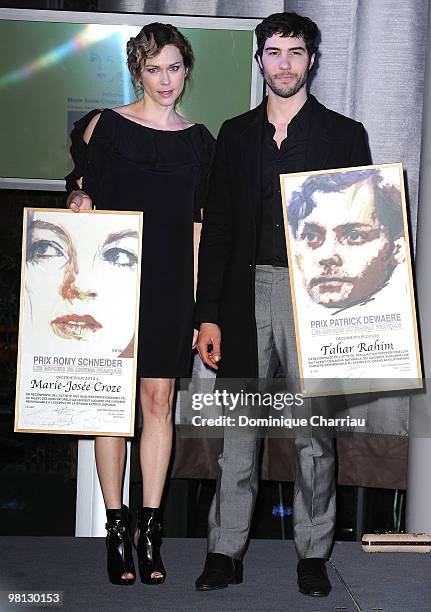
<point x="361" y="582"/>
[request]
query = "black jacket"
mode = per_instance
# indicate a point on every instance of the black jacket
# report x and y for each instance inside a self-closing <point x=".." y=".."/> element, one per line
<point x="228" y="243"/>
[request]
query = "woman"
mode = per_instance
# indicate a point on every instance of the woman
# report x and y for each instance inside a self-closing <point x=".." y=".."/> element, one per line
<point x="145" y="156"/>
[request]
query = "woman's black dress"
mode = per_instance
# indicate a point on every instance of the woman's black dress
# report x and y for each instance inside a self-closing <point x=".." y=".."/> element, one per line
<point x="127" y="166"/>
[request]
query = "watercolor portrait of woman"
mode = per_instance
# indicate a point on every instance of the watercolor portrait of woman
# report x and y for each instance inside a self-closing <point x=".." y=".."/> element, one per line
<point x="81" y="280"/>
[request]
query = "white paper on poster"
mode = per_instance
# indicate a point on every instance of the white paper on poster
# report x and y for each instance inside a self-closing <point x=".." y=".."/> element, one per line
<point x="351" y="280"/>
<point x="80" y="282"/>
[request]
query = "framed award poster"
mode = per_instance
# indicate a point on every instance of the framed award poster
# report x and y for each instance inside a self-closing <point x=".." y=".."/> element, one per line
<point x="78" y="326"/>
<point x="351" y="280"/>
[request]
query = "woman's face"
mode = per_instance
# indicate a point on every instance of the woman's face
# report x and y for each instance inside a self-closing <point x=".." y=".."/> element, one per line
<point x="81" y="280"/>
<point x="163" y="76"/>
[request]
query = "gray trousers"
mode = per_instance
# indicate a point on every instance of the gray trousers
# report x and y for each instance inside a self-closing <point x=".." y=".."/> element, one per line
<point x="238" y="464"/>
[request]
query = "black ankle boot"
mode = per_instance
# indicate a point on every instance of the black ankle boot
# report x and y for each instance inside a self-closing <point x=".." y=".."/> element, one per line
<point x="148" y="541"/>
<point x="119" y="546"/>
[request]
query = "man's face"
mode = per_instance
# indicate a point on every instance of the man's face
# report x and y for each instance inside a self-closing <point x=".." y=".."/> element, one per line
<point x="342" y="250"/>
<point x="285" y="64"/>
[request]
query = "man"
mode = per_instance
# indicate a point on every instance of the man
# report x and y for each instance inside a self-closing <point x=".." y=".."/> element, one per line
<point x="348" y="236"/>
<point x="243" y="302"/>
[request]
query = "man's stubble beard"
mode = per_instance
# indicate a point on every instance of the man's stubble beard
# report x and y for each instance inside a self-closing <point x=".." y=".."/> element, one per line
<point x="288" y="90"/>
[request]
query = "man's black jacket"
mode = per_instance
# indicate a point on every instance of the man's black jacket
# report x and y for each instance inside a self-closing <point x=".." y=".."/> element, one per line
<point x="228" y="243"/>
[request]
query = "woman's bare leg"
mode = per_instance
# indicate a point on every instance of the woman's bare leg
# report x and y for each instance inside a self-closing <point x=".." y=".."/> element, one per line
<point x="110" y="459"/>
<point x="156" y="439"/>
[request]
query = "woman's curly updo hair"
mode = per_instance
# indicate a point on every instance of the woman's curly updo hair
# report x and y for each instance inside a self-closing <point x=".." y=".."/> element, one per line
<point x="150" y="41"/>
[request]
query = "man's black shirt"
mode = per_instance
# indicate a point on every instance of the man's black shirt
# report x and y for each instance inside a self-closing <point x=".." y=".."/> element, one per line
<point x="290" y="157"/>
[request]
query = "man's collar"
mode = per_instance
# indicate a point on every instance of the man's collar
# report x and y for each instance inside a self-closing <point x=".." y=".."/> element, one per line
<point x="300" y="120"/>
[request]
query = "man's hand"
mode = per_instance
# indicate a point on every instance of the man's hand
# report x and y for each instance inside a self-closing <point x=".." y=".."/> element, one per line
<point x="79" y="200"/>
<point x="209" y="334"/>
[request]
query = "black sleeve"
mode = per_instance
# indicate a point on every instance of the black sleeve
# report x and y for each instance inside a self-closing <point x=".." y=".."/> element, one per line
<point x="216" y="237"/>
<point x="360" y="153"/>
<point x="79" y="151"/>
<point x="206" y="158"/>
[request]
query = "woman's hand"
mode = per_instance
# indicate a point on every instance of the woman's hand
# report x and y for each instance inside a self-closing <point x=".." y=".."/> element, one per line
<point x="79" y="200"/>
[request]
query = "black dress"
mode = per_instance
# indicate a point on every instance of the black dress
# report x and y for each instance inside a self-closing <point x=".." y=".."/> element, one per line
<point x="128" y="166"/>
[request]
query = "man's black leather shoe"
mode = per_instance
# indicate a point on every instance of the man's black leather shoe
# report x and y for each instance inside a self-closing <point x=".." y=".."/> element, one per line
<point x="219" y="571"/>
<point x="313" y="578"/>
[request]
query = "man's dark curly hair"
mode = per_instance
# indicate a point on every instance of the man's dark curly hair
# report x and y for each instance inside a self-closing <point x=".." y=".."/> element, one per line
<point x="287" y="24"/>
